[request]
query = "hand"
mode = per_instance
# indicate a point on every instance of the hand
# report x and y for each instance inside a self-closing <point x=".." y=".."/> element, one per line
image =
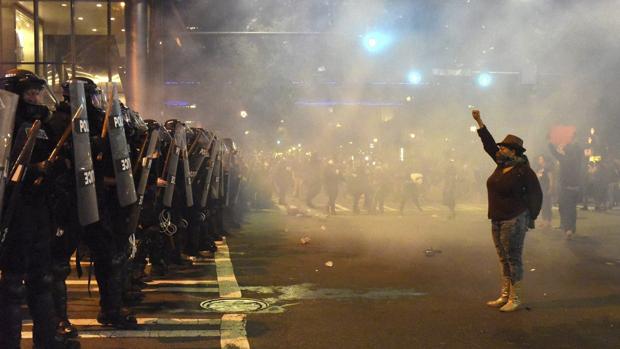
<point x="161" y="183"/>
<point x="476" y="115"/>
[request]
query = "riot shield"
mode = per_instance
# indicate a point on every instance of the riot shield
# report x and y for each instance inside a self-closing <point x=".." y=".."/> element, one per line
<point x="226" y="168"/>
<point x="88" y="211"/>
<point x="199" y="150"/>
<point x="213" y="158"/>
<point x="180" y="135"/>
<point x="220" y="180"/>
<point x="216" y="186"/>
<point x="172" y="163"/>
<point x="8" y="104"/>
<point x="146" y="162"/>
<point x="125" y="187"/>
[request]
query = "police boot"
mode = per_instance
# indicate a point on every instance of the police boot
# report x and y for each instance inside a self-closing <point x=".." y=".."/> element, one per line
<point x="12" y="292"/>
<point x="44" y="322"/>
<point x="111" y="313"/>
<point x="514" y="300"/>
<point x="119" y="318"/>
<point x="59" y="293"/>
<point x="159" y="268"/>
<point x="503" y="296"/>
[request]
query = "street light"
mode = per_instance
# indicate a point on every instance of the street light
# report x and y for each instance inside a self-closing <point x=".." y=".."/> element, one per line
<point x="414" y="77"/>
<point x="376" y="42"/>
<point x="485" y="79"/>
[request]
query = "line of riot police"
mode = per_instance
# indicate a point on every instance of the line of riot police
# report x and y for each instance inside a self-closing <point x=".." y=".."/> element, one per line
<point x="89" y="177"/>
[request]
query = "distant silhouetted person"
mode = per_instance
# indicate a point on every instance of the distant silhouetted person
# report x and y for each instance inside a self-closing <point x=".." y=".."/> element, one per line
<point x="545" y="177"/>
<point x="571" y="158"/>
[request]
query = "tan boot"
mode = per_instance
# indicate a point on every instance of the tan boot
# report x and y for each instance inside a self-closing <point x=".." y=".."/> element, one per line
<point x="514" y="301"/>
<point x="503" y="297"/>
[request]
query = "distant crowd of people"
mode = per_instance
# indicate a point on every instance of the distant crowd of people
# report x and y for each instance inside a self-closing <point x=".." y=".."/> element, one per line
<point x="568" y="179"/>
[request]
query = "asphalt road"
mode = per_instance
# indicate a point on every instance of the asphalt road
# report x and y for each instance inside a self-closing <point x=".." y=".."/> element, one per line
<point x="369" y="281"/>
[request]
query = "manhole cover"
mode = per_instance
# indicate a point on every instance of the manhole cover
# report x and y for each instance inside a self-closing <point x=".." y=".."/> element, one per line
<point x="233" y="305"/>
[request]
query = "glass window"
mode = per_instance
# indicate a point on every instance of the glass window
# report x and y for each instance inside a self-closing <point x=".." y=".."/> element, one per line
<point x="98" y="56"/>
<point x="117" y="45"/>
<point x="24" y="38"/>
<point x="55" y="23"/>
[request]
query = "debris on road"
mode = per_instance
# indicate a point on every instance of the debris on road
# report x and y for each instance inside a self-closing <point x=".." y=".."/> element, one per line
<point x="305" y="240"/>
<point x="329" y="264"/>
<point x="431" y="252"/>
<point x="292" y="210"/>
<point x="323" y="228"/>
<point x="533" y="269"/>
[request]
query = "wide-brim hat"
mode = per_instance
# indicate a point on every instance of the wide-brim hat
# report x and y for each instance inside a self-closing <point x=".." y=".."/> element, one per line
<point x="513" y="142"/>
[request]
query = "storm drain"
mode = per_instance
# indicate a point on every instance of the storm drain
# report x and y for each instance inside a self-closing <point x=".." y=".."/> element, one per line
<point x="234" y="305"/>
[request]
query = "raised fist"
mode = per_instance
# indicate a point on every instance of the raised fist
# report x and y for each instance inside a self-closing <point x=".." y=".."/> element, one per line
<point x="476" y="114"/>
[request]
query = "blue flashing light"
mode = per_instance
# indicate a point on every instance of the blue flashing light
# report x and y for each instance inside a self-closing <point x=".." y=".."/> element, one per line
<point x="177" y="103"/>
<point x="414" y="77"/>
<point x="485" y="79"/>
<point x="376" y="42"/>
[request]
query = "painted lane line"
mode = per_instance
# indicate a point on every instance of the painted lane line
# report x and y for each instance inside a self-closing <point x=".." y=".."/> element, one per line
<point x="229" y="288"/>
<point x="196" y="264"/>
<point x="84" y="334"/>
<point x="151" y="283"/>
<point x="183" y="289"/>
<point x="232" y="329"/>
<point x="232" y="332"/>
<point x="343" y="208"/>
<point x="390" y="208"/>
<point x="165" y="289"/>
<point x="148" y="321"/>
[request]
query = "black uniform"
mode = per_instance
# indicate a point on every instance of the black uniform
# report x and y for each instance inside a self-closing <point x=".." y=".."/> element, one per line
<point x="26" y="260"/>
<point x="107" y="239"/>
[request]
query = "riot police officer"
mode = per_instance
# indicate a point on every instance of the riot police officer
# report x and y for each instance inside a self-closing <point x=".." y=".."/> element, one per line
<point x="25" y="262"/>
<point x="106" y="239"/>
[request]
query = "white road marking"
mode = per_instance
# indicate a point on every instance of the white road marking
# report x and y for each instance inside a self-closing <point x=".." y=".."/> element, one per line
<point x="229" y="288"/>
<point x="85" y="334"/>
<point x="211" y="262"/>
<point x="169" y="289"/>
<point x="389" y="208"/>
<point x="152" y="283"/>
<point x="232" y="332"/>
<point x="182" y="289"/>
<point x="147" y="321"/>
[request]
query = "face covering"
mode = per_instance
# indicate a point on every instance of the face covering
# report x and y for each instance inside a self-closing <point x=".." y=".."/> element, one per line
<point x="32" y="112"/>
<point x="501" y="158"/>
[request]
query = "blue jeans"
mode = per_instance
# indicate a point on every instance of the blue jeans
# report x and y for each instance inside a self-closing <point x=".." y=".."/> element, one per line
<point x="509" y="236"/>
